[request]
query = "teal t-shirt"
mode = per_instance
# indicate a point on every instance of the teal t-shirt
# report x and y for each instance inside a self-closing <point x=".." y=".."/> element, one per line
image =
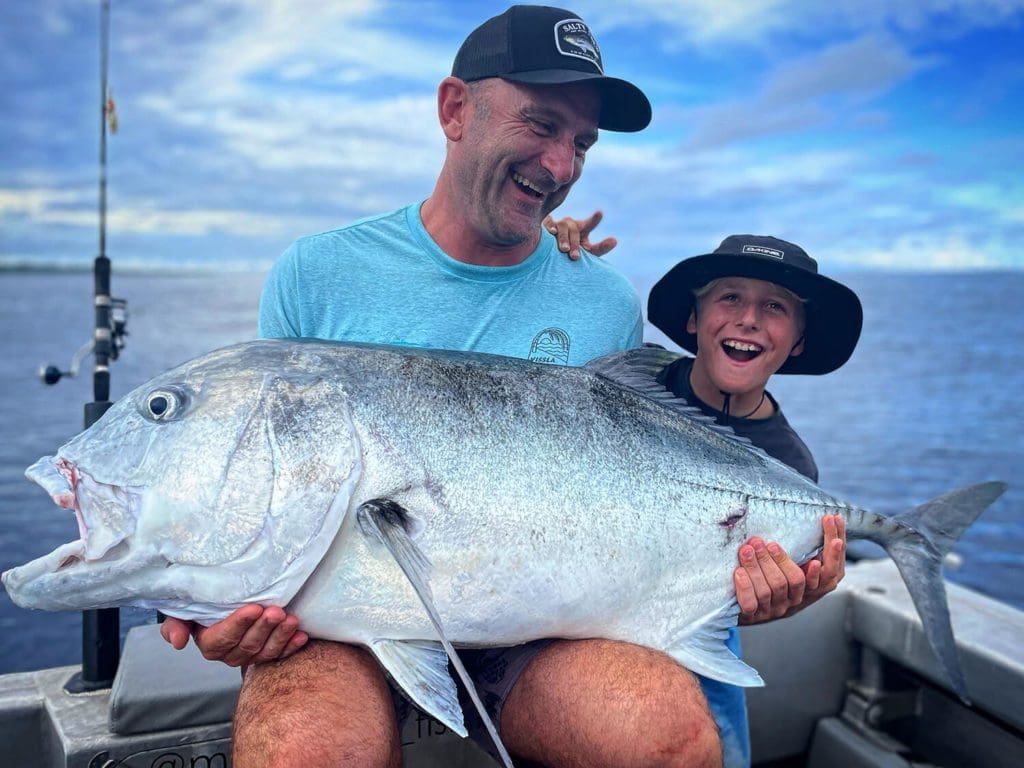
<point x="384" y="280"/>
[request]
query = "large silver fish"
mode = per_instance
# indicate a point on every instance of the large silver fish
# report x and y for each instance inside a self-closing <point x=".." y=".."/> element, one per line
<point x="525" y="501"/>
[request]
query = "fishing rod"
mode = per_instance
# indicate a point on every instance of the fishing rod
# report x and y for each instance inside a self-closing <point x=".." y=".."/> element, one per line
<point x="101" y="649"/>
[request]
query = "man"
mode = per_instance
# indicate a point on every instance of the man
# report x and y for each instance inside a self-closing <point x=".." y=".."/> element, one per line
<point x="471" y="269"/>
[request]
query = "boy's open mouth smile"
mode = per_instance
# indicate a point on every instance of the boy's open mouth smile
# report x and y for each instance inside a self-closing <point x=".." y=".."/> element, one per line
<point x="741" y="351"/>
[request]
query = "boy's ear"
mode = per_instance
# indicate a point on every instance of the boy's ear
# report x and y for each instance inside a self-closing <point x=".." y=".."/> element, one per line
<point x="691" y="324"/>
<point x="797" y="348"/>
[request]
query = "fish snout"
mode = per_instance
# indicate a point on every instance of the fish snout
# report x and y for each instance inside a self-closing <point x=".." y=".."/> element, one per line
<point x="104" y="513"/>
<point x="58" y="477"/>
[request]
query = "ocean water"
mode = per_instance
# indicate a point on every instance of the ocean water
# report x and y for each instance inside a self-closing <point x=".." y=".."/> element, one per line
<point x="931" y="400"/>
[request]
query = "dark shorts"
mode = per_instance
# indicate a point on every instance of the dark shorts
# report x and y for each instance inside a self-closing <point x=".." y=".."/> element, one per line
<point x="494" y="671"/>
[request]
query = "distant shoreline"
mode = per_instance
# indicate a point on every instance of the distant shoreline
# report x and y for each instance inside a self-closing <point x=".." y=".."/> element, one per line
<point x="196" y="270"/>
<point x="162" y="270"/>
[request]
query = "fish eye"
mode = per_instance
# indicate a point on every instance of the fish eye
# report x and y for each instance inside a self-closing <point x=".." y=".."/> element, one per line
<point x="162" y="404"/>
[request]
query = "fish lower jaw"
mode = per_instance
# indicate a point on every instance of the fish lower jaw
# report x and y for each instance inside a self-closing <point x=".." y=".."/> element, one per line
<point x="70" y="553"/>
<point x="77" y="552"/>
<point x="17" y="578"/>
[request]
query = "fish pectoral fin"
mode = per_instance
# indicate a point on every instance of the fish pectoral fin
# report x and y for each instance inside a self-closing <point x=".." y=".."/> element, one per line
<point x="420" y="668"/>
<point x="701" y="648"/>
<point x="389" y="523"/>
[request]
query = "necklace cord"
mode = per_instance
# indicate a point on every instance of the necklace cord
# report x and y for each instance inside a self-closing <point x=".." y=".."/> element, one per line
<point x="756" y="407"/>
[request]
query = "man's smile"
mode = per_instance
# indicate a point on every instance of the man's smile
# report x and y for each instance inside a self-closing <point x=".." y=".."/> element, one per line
<point x="528" y="186"/>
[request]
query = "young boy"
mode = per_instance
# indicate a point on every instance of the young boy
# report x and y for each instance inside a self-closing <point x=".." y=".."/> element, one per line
<point x="754" y="307"/>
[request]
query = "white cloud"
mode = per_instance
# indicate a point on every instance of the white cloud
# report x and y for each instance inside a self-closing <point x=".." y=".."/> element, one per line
<point x="701" y="22"/>
<point x="861" y="67"/>
<point x="303" y="43"/>
<point x="809" y="92"/>
<point x="37" y="202"/>
<point x="77" y="208"/>
<point x="672" y="173"/>
<point x="246" y="118"/>
<point x="710" y="24"/>
<point x="271" y="93"/>
<point x="923" y="251"/>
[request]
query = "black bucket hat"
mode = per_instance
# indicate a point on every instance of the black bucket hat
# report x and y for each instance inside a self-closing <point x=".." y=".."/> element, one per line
<point x="540" y="45"/>
<point x="833" y="312"/>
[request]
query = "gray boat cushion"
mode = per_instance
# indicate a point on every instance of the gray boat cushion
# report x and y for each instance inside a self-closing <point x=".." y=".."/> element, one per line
<point x="158" y="688"/>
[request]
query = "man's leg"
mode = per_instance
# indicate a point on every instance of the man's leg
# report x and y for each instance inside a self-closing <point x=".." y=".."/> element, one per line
<point x="329" y="704"/>
<point x="604" y="704"/>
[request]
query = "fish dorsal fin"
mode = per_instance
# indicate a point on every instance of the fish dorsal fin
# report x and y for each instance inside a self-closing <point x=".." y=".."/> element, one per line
<point x="636" y="368"/>
<point x="640" y="370"/>
<point x="701" y="648"/>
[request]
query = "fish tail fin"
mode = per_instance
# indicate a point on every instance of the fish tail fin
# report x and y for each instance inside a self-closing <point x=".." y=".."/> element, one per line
<point x="943" y="519"/>
<point x="927" y="534"/>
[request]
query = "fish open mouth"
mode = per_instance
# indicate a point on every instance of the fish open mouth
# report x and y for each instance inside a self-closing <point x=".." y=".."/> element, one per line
<point x="105" y="514"/>
<point x="741" y="351"/>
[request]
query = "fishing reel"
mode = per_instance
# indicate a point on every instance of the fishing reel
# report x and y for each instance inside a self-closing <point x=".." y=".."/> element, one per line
<point x="113" y="335"/>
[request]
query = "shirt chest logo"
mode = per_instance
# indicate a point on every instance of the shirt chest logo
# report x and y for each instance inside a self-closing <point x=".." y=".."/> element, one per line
<point x="550" y="346"/>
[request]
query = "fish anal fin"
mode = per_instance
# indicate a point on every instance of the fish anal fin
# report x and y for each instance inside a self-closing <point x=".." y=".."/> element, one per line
<point x="420" y="669"/>
<point x="701" y="648"/>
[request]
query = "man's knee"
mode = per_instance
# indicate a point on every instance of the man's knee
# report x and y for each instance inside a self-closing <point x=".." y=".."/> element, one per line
<point x="669" y="723"/>
<point x="674" y="727"/>
<point x="327" y="705"/>
<point x="597" y="702"/>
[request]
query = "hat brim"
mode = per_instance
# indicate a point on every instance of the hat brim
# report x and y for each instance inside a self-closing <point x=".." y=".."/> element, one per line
<point x="624" y="107"/>
<point x="833" y="312"/>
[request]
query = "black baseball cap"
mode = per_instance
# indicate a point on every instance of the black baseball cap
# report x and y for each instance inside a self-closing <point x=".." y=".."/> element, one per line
<point x="540" y="45"/>
<point x="832" y="312"/>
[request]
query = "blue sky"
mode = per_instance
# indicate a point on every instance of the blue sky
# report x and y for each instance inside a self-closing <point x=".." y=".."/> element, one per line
<point x="875" y="133"/>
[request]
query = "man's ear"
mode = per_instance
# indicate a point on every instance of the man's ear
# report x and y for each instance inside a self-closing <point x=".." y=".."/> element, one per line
<point x="797" y="348"/>
<point x="452" y="107"/>
<point x="691" y="324"/>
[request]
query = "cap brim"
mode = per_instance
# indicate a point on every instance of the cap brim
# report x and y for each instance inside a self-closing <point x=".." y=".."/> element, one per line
<point x="833" y="312"/>
<point x="624" y="107"/>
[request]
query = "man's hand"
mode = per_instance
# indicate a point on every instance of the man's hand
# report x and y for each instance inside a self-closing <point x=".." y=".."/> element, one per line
<point x="769" y="585"/>
<point x="250" y="635"/>
<point x="572" y="233"/>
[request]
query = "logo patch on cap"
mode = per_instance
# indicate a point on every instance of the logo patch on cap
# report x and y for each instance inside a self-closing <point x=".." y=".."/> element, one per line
<point x="573" y="38"/>
<point x="761" y="250"/>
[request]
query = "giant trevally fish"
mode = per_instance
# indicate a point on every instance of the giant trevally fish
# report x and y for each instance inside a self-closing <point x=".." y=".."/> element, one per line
<point x="395" y="497"/>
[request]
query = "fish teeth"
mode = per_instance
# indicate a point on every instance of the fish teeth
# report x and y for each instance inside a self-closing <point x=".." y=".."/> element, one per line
<point x="527" y="183"/>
